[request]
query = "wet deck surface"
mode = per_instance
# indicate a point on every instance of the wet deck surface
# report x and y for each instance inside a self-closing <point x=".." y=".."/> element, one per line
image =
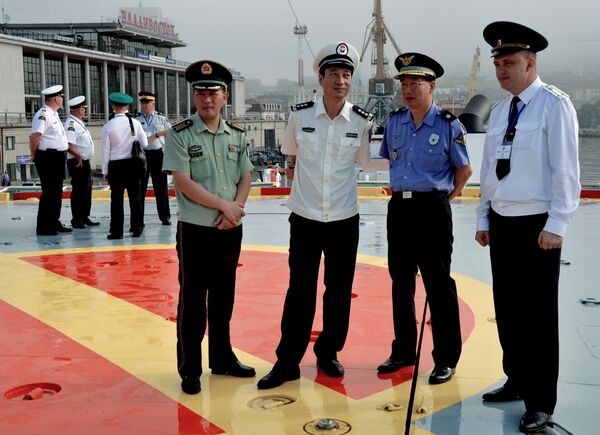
<point x="94" y="319"/>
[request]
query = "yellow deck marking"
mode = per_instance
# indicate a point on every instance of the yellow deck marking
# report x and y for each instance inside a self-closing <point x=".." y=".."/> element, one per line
<point x="143" y="344"/>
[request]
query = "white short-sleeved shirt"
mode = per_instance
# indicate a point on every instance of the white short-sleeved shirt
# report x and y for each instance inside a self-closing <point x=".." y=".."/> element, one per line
<point x="324" y="186"/>
<point x="117" y="140"/>
<point x="153" y="124"/>
<point x="544" y="164"/>
<point x="79" y="135"/>
<point x="47" y="122"/>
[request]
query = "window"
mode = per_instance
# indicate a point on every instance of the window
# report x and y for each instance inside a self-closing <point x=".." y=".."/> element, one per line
<point x="9" y="143"/>
<point x="31" y="67"/>
<point x="75" y="79"/>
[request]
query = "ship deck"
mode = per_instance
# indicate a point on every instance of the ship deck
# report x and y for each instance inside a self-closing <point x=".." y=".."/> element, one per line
<point x="90" y="323"/>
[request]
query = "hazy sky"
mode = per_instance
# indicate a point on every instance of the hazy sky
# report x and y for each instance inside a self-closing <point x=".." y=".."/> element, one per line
<point x="255" y="36"/>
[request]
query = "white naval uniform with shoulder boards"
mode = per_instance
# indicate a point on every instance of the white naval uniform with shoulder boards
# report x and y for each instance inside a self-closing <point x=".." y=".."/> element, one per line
<point x="541" y="192"/>
<point x="81" y="180"/>
<point x="324" y="187"/>
<point x="50" y="165"/>
<point x="324" y="221"/>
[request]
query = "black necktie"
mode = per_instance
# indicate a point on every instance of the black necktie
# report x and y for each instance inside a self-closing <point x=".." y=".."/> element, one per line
<point x="503" y="165"/>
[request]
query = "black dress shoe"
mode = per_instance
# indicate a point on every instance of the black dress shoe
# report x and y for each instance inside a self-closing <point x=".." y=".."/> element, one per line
<point x="331" y="367"/>
<point x="114" y="236"/>
<point x="236" y="368"/>
<point x="62" y="229"/>
<point x="46" y="232"/>
<point x="190" y="384"/>
<point x="439" y="375"/>
<point x="137" y="233"/>
<point x="90" y="223"/>
<point x="392" y="365"/>
<point x="166" y="221"/>
<point x="534" y="421"/>
<point x="505" y="393"/>
<point x="277" y="376"/>
<point x="77" y="225"/>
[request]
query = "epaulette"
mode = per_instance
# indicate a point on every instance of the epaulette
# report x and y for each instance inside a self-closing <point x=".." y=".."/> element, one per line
<point x="400" y="110"/>
<point x="180" y="126"/>
<point x="362" y="112"/>
<point x="447" y="115"/>
<point x="301" y="106"/>
<point x="556" y="92"/>
<point x="235" y="126"/>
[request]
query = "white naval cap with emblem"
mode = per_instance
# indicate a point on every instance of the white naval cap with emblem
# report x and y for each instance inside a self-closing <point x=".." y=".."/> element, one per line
<point x="77" y="102"/>
<point x="52" y="91"/>
<point x="336" y="54"/>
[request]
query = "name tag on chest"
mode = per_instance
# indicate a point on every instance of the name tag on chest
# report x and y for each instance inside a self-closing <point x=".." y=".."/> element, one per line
<point x="503" y="151"/>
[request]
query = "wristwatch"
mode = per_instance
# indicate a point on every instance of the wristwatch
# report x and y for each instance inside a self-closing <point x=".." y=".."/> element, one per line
<point x="157" y="135"/>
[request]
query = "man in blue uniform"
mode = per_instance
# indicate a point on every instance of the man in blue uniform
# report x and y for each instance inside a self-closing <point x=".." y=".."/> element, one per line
<point x="155" y="126"/>
<point x="429" y="166"/>
<point x="325" y="139"/>
<point x="48" y="146"/>
<point x="529" y="192"/>
<point x="211" y="171"/>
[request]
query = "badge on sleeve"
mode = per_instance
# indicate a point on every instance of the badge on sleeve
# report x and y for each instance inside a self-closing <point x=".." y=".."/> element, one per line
<point x="434" y="139"/>
<point x="42" y="116"/>
<point x="461" y="140"/>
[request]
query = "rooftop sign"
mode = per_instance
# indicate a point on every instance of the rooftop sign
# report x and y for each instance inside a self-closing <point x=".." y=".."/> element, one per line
<point x="147" y="19"/>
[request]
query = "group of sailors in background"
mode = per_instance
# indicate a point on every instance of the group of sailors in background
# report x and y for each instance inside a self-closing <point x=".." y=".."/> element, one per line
<point x="54" y="143"/>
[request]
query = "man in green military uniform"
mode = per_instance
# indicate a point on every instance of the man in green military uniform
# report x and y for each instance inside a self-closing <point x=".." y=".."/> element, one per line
<point x="211" y="171"/>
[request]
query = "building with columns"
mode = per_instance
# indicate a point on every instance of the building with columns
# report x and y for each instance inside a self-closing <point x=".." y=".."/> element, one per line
<point x="131" y="53"/>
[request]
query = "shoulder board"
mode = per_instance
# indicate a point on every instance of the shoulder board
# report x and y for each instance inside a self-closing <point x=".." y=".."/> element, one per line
<point x="556" y="92"/>
<point x="180" y="126"/>
<point x="235" y="126"/>
<point x="301" y="106"/>
<point x="138" y="114"/>
<point x="400" y="110"/>
<point x="362" y="112"/>
<point x="447" y="115"/>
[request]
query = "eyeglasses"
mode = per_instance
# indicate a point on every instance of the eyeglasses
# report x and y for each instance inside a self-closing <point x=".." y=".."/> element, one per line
<point x="412" y="85"/>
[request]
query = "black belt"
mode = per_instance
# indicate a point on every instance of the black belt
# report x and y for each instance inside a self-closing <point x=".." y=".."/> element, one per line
<point x="52" y="150"/>
<point x="410" y="194"/>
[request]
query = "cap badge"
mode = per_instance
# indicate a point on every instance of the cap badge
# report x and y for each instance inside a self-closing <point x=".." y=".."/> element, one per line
<point x="206" y="69"/>
<point x="407" y="60"/>
<point x="342" y="49"/>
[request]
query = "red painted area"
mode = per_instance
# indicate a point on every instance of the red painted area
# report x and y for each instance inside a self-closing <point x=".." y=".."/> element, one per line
<point x="275" y="191"/>
<point x="95" y="397"/>
<point x="148" y="278"/>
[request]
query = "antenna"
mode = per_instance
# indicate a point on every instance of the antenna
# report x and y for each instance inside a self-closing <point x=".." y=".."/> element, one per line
<point x="4" y="17"/>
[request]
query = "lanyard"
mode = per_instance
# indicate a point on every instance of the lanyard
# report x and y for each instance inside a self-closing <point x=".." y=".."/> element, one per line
<point x="149" y="122"/>
<point x="514" y="121"/>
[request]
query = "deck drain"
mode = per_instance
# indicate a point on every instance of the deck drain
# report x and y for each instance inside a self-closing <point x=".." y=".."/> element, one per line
<point x="37" y="391"/>
<point x="264" y="403"/>
<point x="327" y="426"/>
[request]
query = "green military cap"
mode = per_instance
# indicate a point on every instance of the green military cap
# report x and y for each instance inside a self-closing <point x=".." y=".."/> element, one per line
<point x="507" y="37"/>
<point x="207" y="74"/>
<point x="417" y="64"/>
<point x="120" y="98"/>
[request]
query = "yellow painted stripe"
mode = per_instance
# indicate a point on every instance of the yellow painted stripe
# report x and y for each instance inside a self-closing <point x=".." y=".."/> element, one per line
<point x="143" y="344"/>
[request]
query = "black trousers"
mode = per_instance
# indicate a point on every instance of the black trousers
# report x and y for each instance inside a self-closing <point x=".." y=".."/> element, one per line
<point x="338" y="241"/>
<point x="81" y="193"/>
<point x="525" y="284"/>
<point x="159" y="184"/>
<point x="124" y="174"/>
<point x="419" y="232"/>
<point x="50" y="165"/>
<point x="208" y="260"/>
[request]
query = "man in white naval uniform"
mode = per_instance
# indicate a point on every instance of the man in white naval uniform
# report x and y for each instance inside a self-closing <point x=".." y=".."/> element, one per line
<point x="48" y="147"/>
<point x="81" y="152"/>
<point x="324" y="139"/>
<point x="529" y="192"/>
